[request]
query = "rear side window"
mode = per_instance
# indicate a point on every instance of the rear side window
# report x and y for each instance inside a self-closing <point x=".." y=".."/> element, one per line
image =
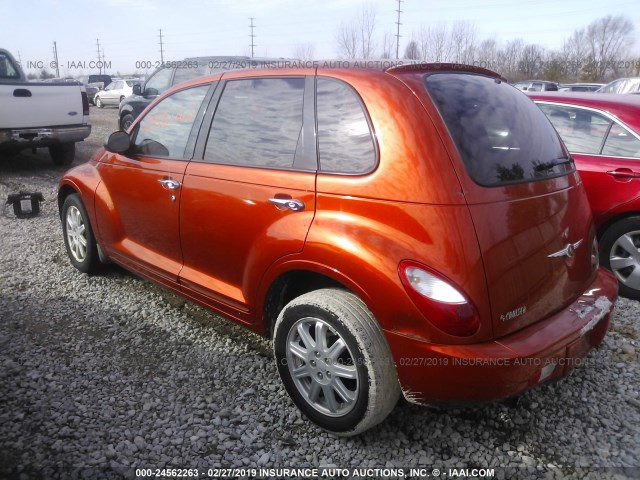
<point x="258" y="123"/>
<point x="582" y="130"/>
<point x="621" y="143"/>
<point x="7" y="69"/>
<point x="188" y="71"/>
<point x="345" y="143"/>
<point x="501" y="135"/>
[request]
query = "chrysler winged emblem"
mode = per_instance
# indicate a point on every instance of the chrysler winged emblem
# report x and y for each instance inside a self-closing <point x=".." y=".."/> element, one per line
<point x="567" y="251"/>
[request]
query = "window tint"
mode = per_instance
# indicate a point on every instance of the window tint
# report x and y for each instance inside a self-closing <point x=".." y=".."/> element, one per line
<point x="345" y="144"/>
<point x="621" y="143"/>
<point x="583" y="131"/>
<point x="164" y="131"/>
<point x="258" y="122"/>
<point x="501" y="135"/>
<point x="159" y="82"/>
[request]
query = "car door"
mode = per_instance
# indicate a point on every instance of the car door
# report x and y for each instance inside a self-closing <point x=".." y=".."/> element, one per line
<point x="250" y="199"/>
<point x="110" y="93"/>
<point x="138" y="202"/>
<point x="607" y="155"/>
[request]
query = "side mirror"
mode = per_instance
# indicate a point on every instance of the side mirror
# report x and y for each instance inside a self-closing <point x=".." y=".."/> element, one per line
<point x="137" y="89"/>
<point x="118" y="142"/>
<point x="151" y="92"/>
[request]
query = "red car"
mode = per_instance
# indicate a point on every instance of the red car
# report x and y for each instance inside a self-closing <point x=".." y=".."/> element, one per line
<point x="416" y="230"/>
<point x="602" y="132"/>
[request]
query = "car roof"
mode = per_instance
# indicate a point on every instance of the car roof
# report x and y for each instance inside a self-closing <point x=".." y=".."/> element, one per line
<point x="624" y="107"/>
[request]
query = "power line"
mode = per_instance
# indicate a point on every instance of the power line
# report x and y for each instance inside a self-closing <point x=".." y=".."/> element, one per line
<point x="99" y="64"/>
<point x="161" y="49"/>
<point x="252" y="36"/>
<point x="398" y="34"/>
<point x="55" y="57"/>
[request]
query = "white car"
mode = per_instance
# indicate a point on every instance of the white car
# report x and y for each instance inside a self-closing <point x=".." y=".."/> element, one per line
<point x="115" y="92"/>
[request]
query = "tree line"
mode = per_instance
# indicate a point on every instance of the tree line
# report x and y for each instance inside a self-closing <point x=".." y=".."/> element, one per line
<point x="599" y="52"/>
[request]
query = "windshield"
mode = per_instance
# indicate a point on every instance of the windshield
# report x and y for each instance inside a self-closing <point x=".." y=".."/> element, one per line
<point x="502" y="137"/>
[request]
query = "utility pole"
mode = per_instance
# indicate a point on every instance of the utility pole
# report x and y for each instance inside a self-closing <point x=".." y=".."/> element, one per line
<point x="161" y="49"/>
<point x="55" y="57"/>
<point x="102" y="64"/>
<point x="99" y="64"/>
<point x="19" y="58"/>
<point x="252" y="36"/>
<point x="398" y="34"/>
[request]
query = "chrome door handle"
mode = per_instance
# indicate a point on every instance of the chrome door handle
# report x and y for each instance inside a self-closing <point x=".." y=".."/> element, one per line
<point x="288" y="203"/>
<point x="169" y="184"/>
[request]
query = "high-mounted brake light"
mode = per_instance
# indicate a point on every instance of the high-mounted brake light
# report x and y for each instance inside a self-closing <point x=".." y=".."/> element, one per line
<point x="439" y="299"/>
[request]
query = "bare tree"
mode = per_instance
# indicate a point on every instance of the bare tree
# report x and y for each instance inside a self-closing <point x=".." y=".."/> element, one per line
<point x="304" y="51"/>
<point x="487" y="54"/>
<point x="388" y="45"/>
<point x="532" y="60"/>
<point x="434" y="44"/>
<point x="608" y="39"/>
<point x="356" y="39"/>
<point x="412" y="52"/>
<point x="463" y="40"/>
<point x="510" y="58"/>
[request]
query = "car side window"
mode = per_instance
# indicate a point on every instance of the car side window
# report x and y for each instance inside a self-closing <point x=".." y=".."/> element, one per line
<point x="159" y="82"/>
<point x="621" y="143"/>
<point x="165" y="129"/>
<point x="258" y="123"/>
<point x="118" y="86"/>
<point x="583" y="131"/>
<point x="345" y="143"/>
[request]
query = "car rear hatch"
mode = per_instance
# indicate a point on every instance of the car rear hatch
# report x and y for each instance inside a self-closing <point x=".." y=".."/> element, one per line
<point x="529" y="208"/>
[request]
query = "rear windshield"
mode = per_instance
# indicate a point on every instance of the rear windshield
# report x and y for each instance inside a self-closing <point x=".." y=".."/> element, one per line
<point x="501" y="135"/>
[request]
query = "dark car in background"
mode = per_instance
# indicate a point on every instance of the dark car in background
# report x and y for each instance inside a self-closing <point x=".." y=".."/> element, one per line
<point x="602" y="132"/>
<point x="98" y="81"/>
<point x="173" y="73"/>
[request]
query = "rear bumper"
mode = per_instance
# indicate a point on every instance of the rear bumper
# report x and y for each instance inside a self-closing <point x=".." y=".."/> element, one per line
<point x="18" y="138"/>
<point x="502" y="368"/>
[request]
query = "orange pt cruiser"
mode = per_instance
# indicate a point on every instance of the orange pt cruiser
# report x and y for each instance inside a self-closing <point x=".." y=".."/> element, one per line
<point x="415" y="230"/>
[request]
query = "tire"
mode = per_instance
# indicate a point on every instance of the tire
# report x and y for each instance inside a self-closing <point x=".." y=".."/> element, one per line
<point x="620" y="253"/>
<point x="351" y="384"/>
<point x="63" y="154"/>
<point x="78" y="236"/>
<point x="121" y="99"/>
<point x="126" y="121"/>
<point x="98" y="102"/>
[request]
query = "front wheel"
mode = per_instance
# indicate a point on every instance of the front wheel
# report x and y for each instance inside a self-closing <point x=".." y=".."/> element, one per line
<point x="620" y="253"/>
<point x="126" y="121"/>
<point x="98" y="102"/>
<point x="78" y="236"/>
<point x="335" y="362"/>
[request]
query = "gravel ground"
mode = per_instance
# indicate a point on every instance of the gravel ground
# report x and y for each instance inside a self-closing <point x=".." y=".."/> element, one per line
<point x="100" y="375"/>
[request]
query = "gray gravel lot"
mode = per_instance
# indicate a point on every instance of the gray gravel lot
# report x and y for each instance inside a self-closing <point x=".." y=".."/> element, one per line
<point x="100" y="375"/>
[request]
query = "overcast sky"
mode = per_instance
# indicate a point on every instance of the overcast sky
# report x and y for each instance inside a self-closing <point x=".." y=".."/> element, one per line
<point x="128" y="29"/>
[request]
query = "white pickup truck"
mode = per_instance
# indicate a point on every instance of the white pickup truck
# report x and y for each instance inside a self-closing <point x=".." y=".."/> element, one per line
<point x="40" y="114"/>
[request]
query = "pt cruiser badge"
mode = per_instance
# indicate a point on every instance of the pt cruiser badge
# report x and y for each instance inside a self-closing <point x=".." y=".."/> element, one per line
<point x="567" y="251"/>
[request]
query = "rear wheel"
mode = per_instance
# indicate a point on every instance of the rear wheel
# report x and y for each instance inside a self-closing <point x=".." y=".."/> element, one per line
<point x="63" y="154"/>
<point x="78" y="236"/>
<point x="335" y="362"/>
<point x="121" y="98"/>
<point x="620" y="253"/>
<point x="98" y="102"/>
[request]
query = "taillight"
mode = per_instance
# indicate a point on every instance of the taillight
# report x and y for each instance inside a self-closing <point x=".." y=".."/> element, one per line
<point x="439" y="299"/>
<point x="85" y="103"/>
